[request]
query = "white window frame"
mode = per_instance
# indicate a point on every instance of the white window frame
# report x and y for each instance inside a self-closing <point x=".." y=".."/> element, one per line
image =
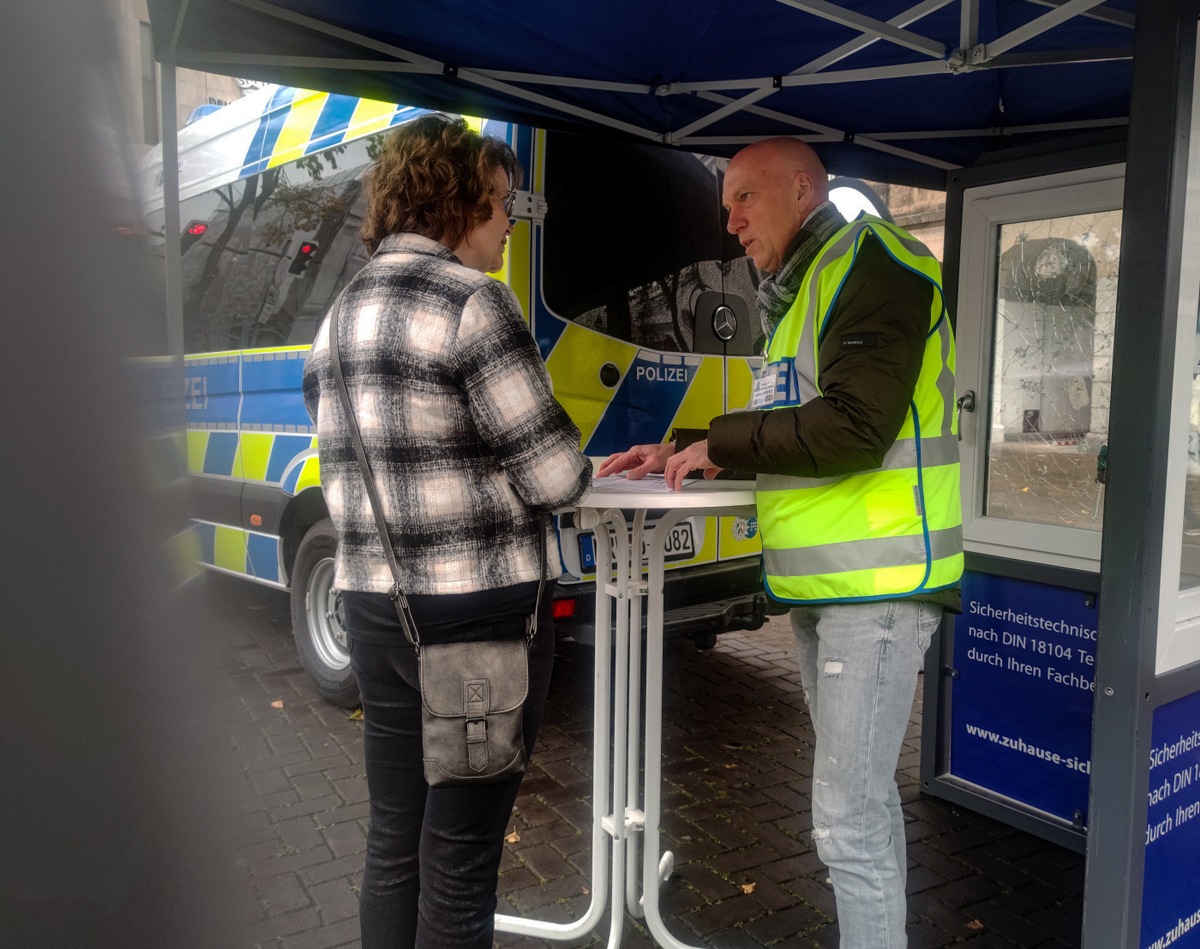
<point x="985" y="210"/>
<point x="1178" y="642"/>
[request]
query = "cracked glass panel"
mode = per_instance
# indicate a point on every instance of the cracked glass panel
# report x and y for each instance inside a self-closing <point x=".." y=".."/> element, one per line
<point x="1056" y="293"/>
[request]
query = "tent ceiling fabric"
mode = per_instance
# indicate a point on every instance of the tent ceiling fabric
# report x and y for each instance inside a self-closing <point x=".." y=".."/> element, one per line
<point x="895" y="90"/>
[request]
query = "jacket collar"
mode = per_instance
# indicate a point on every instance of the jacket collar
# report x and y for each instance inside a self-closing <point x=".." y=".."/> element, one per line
<point x="409" y="243"/>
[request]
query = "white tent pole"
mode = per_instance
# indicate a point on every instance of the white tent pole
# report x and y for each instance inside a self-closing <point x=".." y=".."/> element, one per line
<point x="1057" y="57"/>
<point x="816" y="65"/>
<point x="538" y="79"/>
<point x="201" y="58"/>
<point x="909" y="16"/>
<point x="1104" y="15"/>
<point x="968" y="24"/>
<point x="1036" y="27"/>
<point x="773" y="83"/>
<point x="479" y="79"/>
<point x="870" y="26"/>
<point x="321" y="28"/>
<point x="869" y="74"/>
<point x="467" y="75"/>
<point x="833" y="134"/>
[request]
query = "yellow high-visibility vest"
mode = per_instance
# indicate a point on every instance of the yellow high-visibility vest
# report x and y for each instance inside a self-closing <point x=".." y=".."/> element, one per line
<point x="889" y="532"/>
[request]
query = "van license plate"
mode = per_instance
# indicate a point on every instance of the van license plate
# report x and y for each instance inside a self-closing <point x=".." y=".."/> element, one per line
<point x="680" y="545"/>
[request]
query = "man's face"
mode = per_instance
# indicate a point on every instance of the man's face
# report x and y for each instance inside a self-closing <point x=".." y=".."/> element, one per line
<point x="766" y="207"/>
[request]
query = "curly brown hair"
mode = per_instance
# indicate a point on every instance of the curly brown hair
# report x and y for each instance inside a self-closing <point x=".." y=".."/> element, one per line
<point x="433" y="177"/>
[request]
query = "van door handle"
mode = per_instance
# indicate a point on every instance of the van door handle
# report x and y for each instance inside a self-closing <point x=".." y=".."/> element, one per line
<point x="965" y="403"/>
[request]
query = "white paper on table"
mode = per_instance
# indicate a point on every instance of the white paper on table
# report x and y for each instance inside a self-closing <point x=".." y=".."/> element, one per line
<point x="651" y="484"/>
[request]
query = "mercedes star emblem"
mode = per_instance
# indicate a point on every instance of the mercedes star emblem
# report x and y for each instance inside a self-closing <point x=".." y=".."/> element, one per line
<point x="724" y="323"/>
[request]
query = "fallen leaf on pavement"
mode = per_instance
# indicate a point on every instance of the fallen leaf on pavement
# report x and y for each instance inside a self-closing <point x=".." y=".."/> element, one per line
<point x="278" y="703"/>
<point x="748" y="887"/>
<point x="975" y="925"/>
<point x="512" y="838"/>
<point x="356" y="715"/>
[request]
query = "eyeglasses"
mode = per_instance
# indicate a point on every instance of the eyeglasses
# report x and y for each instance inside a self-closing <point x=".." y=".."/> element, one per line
<point x="509" y="202"/>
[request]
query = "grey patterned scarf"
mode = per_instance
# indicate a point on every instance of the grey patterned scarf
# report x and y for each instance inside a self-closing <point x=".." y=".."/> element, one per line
<point x="777" y="293"/>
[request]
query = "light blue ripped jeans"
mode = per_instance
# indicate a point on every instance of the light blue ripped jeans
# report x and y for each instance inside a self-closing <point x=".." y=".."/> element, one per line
<point x="858" y="666"/>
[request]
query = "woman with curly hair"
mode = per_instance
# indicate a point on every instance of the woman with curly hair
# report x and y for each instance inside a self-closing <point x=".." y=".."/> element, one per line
<point x="470" y="452"/>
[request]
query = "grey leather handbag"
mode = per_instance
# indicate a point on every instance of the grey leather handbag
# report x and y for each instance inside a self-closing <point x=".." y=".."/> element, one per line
<point x="472" y="693"/>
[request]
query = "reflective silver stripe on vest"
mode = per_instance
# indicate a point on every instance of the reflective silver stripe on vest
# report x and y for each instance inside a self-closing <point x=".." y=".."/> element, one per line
<point x="912" y="245"/>
<point x="945" y="380"/>
<point x="871" y="554"/>
<point x="902" y="455"/>
<point x="805" y="364"/>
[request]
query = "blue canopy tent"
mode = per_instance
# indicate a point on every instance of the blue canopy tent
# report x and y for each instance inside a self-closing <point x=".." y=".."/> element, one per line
<point x="885" y="89"/>
<point x="889" y="90"/>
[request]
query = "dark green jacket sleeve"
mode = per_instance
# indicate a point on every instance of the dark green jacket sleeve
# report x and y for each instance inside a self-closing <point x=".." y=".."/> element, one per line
<point x="869" y="361"/>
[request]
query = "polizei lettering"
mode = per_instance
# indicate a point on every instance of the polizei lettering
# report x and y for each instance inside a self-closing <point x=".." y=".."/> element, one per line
<point x="662" y="373"/>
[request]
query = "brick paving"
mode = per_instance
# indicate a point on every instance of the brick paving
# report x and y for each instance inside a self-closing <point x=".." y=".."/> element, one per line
<point x="737" y="762"/>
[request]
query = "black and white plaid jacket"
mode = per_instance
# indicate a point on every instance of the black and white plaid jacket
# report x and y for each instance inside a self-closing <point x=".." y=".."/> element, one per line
<point x="468" y="445"/>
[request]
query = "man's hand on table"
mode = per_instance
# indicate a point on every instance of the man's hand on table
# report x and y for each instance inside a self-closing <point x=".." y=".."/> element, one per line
<point x="693" y="458"/>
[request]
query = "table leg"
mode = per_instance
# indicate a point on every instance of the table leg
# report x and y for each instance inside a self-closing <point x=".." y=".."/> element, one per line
<point x="605" y="843"/>
<point x="655" y="869"/>
<point x="635" y="818"/>
<point x="617" y="781"/>
<point x="615" y="823"/>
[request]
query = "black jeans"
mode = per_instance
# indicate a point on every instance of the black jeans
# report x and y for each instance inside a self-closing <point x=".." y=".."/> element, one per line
<point x="433" y="854"/>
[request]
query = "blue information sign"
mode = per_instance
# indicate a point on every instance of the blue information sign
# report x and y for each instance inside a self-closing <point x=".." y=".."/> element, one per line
<point x="1021" y="704"/>
<point x="1171" y="886"/>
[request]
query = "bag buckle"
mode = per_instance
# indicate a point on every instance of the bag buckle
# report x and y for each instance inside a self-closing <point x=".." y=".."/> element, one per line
<point x="476" y="699"/>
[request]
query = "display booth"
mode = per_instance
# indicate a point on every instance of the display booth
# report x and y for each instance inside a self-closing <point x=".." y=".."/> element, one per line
<point x="1065" y="699"/>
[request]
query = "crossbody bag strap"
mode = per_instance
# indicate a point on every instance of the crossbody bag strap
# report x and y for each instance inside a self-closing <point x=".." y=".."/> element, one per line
<point x="407" y="623"/>
<point x="399" y="600"/>
<point x="537" y="603"/>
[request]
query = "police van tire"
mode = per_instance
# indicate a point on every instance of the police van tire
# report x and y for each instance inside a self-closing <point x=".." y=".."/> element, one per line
<point x="318" y="620"/>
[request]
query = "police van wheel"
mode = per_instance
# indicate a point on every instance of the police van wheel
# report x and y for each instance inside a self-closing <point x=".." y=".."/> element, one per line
<point x="318" y="622"/>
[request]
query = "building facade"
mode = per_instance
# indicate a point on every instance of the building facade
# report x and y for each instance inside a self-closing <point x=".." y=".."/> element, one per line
<point x="141" y="79"/>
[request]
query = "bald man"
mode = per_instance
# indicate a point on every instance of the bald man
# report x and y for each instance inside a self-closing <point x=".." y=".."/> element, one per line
<point x="851" y="435"/>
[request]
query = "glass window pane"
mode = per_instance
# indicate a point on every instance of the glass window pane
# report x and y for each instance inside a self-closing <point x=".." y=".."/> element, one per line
<point x="1189" y="572"/>
<point x="1056" y="292"/>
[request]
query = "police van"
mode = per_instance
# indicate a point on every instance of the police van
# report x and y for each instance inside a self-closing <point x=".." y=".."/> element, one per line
<point x="641" y="305"/>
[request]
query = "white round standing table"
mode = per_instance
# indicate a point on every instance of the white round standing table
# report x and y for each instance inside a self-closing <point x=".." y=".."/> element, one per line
<point x="626" y="812"/>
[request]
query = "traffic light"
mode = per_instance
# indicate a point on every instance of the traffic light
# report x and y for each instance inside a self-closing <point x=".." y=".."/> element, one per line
<point x="304" y="254"/>
<point x="192" y="233"/>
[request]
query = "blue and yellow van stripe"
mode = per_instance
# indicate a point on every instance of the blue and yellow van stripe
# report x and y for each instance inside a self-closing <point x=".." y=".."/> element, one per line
<point x="245" y="417"/>
<point x="302" y="472"/>
<point x="246" y="422"/>
<point x="299" y="122"/>
<point x="238" y="551"/>
<point x="266" y="135"/>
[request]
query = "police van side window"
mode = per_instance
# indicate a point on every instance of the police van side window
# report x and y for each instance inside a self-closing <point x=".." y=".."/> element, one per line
<point x="635" y="241"/>
<point x="272" y="252"/>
